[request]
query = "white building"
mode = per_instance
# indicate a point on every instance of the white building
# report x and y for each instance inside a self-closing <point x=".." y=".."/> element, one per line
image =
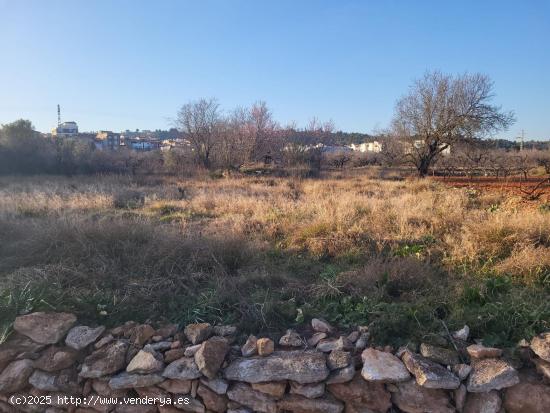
<point x="374" y="146"/>
<point x="66" y="129"/>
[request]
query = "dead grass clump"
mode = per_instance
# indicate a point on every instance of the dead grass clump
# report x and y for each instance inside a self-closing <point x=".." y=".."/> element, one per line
<point x="128" y="199"/>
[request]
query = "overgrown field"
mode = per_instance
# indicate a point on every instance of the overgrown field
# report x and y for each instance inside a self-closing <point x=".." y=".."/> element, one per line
<point x="405" y="257"/>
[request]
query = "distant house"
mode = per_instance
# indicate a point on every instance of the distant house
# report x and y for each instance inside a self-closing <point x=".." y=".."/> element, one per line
<point x="66" y="129"/>
<point x="374" y="146"/>
<point x="143" y="144"/>
<point x="419" y="143"/>
<point x="107" y="140"/>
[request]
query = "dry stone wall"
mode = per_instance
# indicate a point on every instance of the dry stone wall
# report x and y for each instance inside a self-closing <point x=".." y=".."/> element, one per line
<point x="52" y="364"/>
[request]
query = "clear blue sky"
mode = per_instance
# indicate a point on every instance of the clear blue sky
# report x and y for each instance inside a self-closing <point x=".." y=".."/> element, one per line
<point x="131" y="64"/>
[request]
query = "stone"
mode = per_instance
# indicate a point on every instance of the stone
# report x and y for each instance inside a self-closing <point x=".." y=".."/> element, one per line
<point x="330" y="344"/>
<point x="258" y="401"/>
<point x="412" y="398"/>
<point x="459" y="396"/>
<point x="106" y="360"/>
<point x="160" y="345"/>
<point x="359" y="392"/>
<point x="543" y="367"/>
<point x="249" y="347"/>
<point x="527" y="397"/>
<point x="541" y="346"/>
<point x="136" y="408"/>
<point x="353" y="336"/>
<point x="491" y="374"/>
<point x="103" y="341"/>
<point x="123" y="330"/>
<point x="191" y="350"/>
<point x="197" y="333"/>
<point x="141" y="334"/>
<point x="300" y="366"/>
<point x="428" y="373"/>
<point x="383" y="367"/>
<point x="315" y="338"/>
<point x="176" y="386"/>
<point x="184" y="368"/>
<point x="43" y="380"/>
<point x="225" y="331"/>
<point x="81" y="337"/>
<point x="216" y="385"/>
<point x="101" y="387"/>
<point x="321" y="326"/>
<point x="479" y="351"/>
<point x="15" y="375"/>
<point x="311" y="391"/>
<point x="265" y="346"/>
<point x="56" y="358"/>
<point x="145" y="362"/>
<point x="462" y="334"/>
<point x="291" y="339"/>
<point x="483" y="403"/>
<point x="167" y="330"/>
<point x="438" y="354"/>
<point x="44" y="328"/>
<point x="174" y="354"/>
<point x="341" y="375"/>
<point x="190" y="404"/>
<point x="462" y="370"/>
<point x="126" y="380"/>
<point x="211" y="355"/>
<point x="338" y="359"/>
<point x="275" y="389"/>
<point x="362" y="341"/>
<point x="299" y="404"/>
<point x="212" y="400"/>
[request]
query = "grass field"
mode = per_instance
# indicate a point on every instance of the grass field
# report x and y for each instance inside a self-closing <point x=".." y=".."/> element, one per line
<point x="402" y="256"/>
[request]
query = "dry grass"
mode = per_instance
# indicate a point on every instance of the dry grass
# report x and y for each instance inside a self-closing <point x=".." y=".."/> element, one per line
<point x="249" y="247"/>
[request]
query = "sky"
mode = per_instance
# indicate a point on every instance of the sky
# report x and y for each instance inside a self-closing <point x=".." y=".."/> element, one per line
<point x="131" y="64"/>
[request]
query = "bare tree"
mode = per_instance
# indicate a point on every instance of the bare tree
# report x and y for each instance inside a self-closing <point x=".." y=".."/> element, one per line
<point x="441" y="110"/>
<point x="263" y="132"/>
<point x="200" y="121"/>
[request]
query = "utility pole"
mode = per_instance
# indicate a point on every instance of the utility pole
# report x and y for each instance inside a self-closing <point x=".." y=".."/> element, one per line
<point x="58" y="115"/>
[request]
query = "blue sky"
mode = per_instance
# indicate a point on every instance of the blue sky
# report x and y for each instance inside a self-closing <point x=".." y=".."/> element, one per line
<point x="123" y="64"/>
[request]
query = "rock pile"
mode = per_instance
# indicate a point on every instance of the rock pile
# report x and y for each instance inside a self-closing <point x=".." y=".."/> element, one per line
<point x="139" y="368"/>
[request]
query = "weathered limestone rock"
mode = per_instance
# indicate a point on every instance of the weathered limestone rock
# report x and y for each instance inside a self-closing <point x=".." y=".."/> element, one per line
<point x="44" y="328"/>
<point x="249" y="348"/>
<point x="160" y="345"/>
<point x="265" y="346"/>
<point x="104" y="340"/>
<point x="353" y="336"/>
<point x="338" y="359"/>
<point x="330" y="344"/>
<point x="275" y="389"/>
<point x="135" y="408"/>
<point x="462" y="334"/>
<point x="127" y="380"/>
<point x="479" y="351"/>
<point x="197" y="333"/>
<point x="383" y="367"/>
<point x="291" y="339"/>
<point x="439" y="354"/>
<point x="361" y="393"/>
<point x="412" y="398"/>
<point x="193" y="405"/>
<point x="174" y="354"/>
<point x="212" y="400"/>
<point x="15" y="375"/>
<point x="141" y="334"/>
<point x="43" y="380"/>
<point x="300" y="366"/>
<point x="300" y="404"/>
<point x="429" y="374"/>
<point x="491" y="374"/>
<point x="145" y="362"/>
<point x="245" y="395"/>
<point x="315" y="338"/>
<point x="311" y="391"/>
<point x="543" y="367"/>
<point x="56" y="358"/>
<point x="321" y="326"/>
<point x="225" y="331"/>
<point x="527" y="398"/>
<point x="101" y="387"/>
<point x="341" y="375"/>
<point x="541" y="346"/>
<point x="191" y="350"/>
<point x="176" y="386"/>
<point x="82" y="336"/>
<point x="107" y="360"/>
<point x="459" y="396"/>
<point x="216" y="385"/>
<point x="462" y="370"/>
<point x="184" y="368"/>
<point x="211" y="355"/>
<point x="362" y="341"/>
<point x="483" y="403"/>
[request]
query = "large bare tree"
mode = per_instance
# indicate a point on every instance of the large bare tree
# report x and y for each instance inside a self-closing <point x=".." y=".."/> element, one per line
<point x="201" y="120"/>
<point x="441" y="110"/>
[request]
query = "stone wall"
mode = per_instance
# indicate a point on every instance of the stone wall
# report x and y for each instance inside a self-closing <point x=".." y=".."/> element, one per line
<point x="52" y="364"/>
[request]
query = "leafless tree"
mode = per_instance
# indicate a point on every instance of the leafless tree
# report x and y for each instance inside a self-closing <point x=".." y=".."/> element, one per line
<point x="441" y="110"/>
<point x="200" y="121"/>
